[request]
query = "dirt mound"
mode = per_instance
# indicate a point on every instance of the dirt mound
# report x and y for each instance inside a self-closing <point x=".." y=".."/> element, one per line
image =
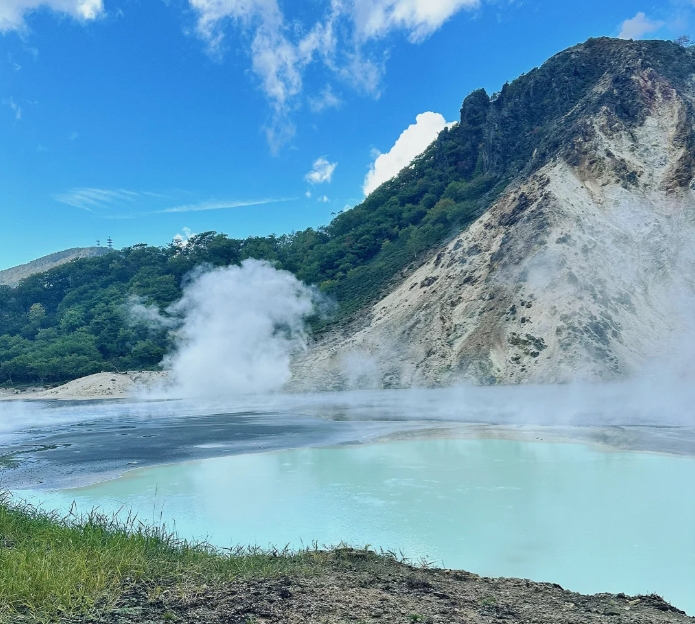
<point x="362" y="587"/>
<point x="102" y="386"/>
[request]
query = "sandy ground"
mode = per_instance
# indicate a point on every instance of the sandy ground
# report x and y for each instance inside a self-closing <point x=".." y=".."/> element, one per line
<point x="98" y="386"/>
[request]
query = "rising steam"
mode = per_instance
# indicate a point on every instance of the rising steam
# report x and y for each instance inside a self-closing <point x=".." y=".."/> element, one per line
<point x="237" y="328"/>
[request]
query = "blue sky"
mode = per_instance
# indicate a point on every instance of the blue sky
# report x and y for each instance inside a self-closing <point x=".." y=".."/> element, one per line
<point x="144" y="119"/>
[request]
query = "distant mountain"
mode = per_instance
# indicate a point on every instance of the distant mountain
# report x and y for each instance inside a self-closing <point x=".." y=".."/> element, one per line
<point x="12" y="276"/>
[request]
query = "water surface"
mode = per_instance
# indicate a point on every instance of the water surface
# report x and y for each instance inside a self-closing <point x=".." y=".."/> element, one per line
<point x="591" y="520"/>
<point x="62" y="444"/>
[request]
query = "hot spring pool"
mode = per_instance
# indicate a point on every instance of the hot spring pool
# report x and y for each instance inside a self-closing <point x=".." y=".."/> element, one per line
<point x="589" y="519"/>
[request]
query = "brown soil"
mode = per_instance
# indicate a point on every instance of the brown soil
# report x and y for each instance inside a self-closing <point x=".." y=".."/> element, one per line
<point x="361" y="587"/>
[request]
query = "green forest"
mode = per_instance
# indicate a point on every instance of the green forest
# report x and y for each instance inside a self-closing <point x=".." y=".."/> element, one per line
<point x="73" y="320"/>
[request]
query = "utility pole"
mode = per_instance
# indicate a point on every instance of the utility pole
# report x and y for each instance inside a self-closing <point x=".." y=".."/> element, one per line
<point x="109" y="242"/>
<point x="98" y="243"/>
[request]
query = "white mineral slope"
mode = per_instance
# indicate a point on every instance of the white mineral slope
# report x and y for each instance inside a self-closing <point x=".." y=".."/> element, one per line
<point x="580" y="272"/>
<point x="98" y="386"/>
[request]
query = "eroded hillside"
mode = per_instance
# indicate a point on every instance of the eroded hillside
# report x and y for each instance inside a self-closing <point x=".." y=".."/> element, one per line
<point x="582" y="269"/>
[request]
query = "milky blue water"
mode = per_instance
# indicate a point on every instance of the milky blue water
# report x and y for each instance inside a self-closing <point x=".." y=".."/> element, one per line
<point x="589" y="519"/>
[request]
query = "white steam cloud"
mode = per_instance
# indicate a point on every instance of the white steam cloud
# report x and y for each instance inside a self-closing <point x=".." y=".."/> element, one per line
<point x="239" y="326"/>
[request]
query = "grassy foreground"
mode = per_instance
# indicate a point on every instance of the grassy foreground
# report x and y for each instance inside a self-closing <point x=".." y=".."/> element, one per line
<point x="51" y="566"/>
<point x="97" y="570"/>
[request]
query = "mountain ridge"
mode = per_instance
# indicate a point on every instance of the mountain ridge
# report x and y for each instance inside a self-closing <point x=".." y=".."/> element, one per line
<point x="572" y="271"/>
<point x="13" y="275"/>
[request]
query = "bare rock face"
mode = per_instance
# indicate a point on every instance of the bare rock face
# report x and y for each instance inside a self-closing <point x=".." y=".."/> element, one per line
<point x="583" y="269"/>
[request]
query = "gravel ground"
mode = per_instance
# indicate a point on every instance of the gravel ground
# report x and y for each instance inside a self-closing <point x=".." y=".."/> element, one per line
<point x="360" y="587"/>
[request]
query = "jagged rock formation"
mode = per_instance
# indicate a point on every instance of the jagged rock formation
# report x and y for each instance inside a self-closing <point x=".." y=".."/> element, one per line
<point x="12" y="276"/>
<point x="582" y="269"/>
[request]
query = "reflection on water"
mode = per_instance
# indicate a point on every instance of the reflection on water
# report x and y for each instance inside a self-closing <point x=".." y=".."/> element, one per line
<point x="590" y="520"/>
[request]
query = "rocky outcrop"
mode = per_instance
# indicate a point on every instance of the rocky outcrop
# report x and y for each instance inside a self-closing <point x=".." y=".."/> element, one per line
<point x="583" y="269"/>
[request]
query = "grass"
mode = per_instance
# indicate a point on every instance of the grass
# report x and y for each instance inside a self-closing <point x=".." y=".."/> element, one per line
<point x="52" y="565"/>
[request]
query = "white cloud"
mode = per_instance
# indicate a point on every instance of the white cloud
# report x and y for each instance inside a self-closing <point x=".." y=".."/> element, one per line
<point x="420" y="18"/>
<point x="221" y="205"/>
<point x="326" y="99"/>
<point x="181" y="240"/>
<point x="281" y="52"/>
<point x="276" y="60"/>
<point x="638" y="26"/>
<point x="412" y="142"/>
<point x="104" y="201"/>
<point x="308" y="194"/>
<point x="15" y="108"/>
<point x="93" y="199"/>
<point x="12" y="12"/>
<point x="72" y="136"/>
<point x="321" y="172"/>
<point x="324" y="199"/>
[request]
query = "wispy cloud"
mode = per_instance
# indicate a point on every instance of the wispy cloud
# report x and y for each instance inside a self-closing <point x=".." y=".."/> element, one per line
<point x="16" y="108"/>
<point x="124" y="203"/>
<point x="12" y="12"/>
<point x="638" y="26"/>
<point x="222" y="205"/>
<point x="419" y="18"/>
<point x="343" y="41"/>
<point x="94" y="199"/>
<point x="326" y="99"/>
<point x="14" y="64"/>
<point x="321" y="172"/>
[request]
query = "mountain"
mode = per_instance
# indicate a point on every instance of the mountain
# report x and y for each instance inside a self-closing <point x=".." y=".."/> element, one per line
<point x="14" y="275"/>
<point x="544" y="237"/>
<point x="582" y="269"/>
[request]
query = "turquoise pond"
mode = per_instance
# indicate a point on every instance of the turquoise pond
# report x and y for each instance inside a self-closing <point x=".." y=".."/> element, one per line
<point x="590" y="519"/>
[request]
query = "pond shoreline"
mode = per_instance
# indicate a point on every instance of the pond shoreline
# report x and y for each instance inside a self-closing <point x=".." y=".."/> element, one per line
<point x="271" y="432"/>
<point x="362" y="586"/>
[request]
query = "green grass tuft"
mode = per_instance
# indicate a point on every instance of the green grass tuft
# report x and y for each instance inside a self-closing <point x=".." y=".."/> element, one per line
<point x="52" y="565"/>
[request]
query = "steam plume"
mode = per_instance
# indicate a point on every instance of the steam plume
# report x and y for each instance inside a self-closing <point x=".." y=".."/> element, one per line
<point x="239" y="327"/>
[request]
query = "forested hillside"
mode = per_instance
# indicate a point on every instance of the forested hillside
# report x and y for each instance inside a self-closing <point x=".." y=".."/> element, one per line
<point x="74" y="320"/>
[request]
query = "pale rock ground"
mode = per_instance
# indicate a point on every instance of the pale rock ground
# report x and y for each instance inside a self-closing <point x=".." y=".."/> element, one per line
<point x="576" y="273"/>
<point x="98" y="386"/>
